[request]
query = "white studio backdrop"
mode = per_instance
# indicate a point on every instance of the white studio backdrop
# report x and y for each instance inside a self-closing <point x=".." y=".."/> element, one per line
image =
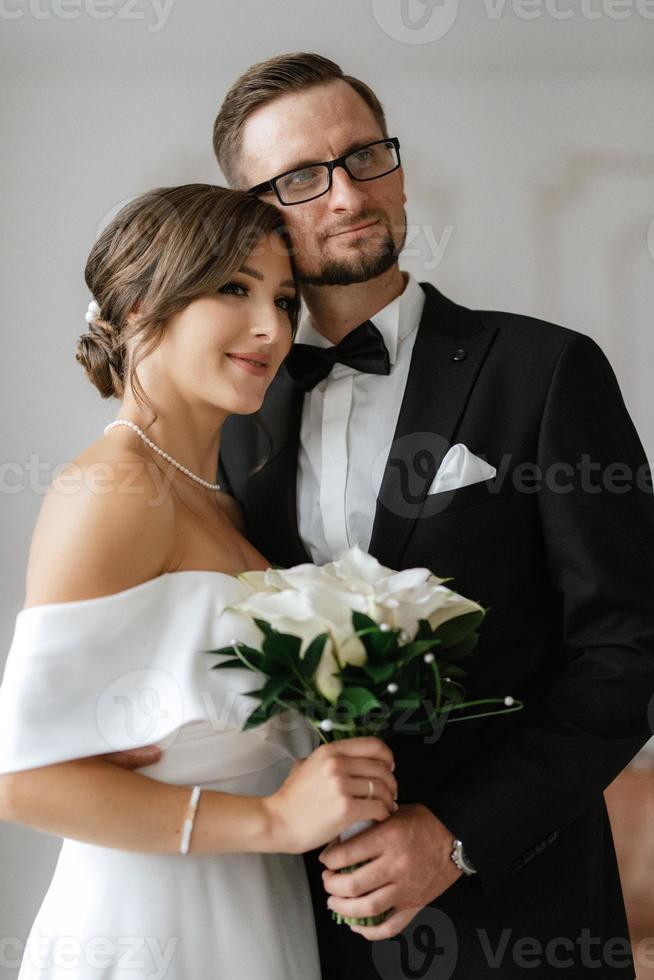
<point x="528" y="148"/>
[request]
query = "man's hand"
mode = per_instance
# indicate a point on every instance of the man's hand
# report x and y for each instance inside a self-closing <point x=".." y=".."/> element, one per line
<point x="409" y="866"/>
<point x="133" y="758"/>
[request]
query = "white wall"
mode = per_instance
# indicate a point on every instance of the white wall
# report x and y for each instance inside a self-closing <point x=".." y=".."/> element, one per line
<point x="529" y="154"/>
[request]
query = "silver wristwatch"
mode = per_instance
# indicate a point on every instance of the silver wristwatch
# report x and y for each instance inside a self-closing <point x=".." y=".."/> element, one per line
<point x="458" y="855"/>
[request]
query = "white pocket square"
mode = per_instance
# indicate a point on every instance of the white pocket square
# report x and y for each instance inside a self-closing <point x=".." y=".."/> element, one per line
<point x="459" y="469"/>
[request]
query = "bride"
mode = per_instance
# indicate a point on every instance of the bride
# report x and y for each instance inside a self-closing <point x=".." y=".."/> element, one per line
<point x="190" y="866"/>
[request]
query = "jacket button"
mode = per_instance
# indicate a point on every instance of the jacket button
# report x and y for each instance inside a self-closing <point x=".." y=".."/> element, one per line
<point x="459" y="355"/>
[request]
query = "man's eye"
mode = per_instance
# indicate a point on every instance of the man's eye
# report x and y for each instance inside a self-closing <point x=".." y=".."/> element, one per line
<point x="229" y="287"/>
<point x="302" y="177"/>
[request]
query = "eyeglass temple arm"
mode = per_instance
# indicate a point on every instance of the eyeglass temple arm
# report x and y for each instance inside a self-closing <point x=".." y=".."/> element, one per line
<point x="260" y="188"/>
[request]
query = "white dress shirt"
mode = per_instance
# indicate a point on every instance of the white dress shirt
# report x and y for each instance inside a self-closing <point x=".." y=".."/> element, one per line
<point x="348" y="423"/>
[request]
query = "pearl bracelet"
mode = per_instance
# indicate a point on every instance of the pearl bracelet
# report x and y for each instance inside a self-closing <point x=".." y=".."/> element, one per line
<point x="189" y="819"/>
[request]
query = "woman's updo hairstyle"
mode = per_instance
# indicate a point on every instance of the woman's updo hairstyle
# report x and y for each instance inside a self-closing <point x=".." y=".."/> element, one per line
<point x="163" y="250"/>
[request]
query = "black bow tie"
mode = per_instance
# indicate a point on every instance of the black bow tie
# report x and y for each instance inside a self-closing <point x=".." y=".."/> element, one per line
<point x="363" y="349"/>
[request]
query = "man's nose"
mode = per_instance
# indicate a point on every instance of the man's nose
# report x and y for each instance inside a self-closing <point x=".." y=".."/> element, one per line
<point x="346" y="194"/>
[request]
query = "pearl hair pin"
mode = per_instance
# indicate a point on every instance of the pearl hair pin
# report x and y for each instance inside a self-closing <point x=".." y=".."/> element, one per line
<point x="183" y="469"/>
<point x="93" y="311"/>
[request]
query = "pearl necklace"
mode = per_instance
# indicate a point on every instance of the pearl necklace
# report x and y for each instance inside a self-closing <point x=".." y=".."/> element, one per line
<point x="166" y="456"/>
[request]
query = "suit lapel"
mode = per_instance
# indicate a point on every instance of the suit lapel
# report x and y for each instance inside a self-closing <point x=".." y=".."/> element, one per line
<point x="272" y="491"/>
<point x="448" y="352"/>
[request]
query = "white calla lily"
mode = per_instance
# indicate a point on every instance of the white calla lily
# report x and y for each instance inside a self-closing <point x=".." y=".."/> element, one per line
<point x="308" y="600"/>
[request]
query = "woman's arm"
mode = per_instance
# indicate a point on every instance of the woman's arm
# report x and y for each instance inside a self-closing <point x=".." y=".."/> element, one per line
<point x="97" y="802"/>
<point x="100" y="803"/>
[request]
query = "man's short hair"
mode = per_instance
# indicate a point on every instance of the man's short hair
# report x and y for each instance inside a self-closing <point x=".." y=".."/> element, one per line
<point x="266" y="81"/>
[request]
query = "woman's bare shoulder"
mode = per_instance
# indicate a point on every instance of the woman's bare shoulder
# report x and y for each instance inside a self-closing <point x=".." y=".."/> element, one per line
<point x="106" y="524"/>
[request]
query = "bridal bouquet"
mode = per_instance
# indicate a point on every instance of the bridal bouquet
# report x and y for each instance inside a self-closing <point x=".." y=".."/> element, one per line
<point x="354" y="646"/>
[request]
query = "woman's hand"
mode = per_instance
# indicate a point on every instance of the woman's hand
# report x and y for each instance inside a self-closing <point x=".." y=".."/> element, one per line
<point x="327" y="791"/>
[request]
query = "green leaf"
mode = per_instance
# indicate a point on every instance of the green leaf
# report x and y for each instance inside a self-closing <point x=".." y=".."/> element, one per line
<point x="417" y="649"/>
<point x="353" y="676"/>
<point x="362" y="622"/>
<point x="223" y="650"/>
<point x="452" y="693"/>
<point x="273" y="688"/>
<point x="377" y="642"/>
<point x="258" y="717"/>
<point x="283" y="646"/>
<point x="424" y="631"/>
<point x="265" y="627"/>
<point x="309" y="663"/>
<point x="379" y="672"/>
<point x="226" y="664"/>
<point x="280" y="653"/>
<point x="254" y="657"/>
<point x="360" y="699"/>
<point x="383" y="644"/>
<point x="459" y="650"/>
<point x="453" y="631"/>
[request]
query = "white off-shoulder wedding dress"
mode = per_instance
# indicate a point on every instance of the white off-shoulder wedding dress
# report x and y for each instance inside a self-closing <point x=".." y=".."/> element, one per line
<point x="98" y="675"/>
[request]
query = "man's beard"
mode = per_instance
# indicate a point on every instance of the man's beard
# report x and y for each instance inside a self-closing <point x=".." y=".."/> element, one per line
<point x="357" y="268"/>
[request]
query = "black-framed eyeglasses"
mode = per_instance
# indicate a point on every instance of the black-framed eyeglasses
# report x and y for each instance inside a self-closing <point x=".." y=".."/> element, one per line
<point x="315" y="179"/>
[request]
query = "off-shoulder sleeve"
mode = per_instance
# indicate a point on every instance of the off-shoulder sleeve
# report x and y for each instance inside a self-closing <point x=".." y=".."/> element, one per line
<point x="120" y="671"/>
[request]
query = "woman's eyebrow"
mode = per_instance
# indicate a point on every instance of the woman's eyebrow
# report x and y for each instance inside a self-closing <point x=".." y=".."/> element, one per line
<point x="259" y="275"/>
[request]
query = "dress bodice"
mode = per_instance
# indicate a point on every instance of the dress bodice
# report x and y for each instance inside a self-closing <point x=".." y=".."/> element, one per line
<point x="129" y="669"/>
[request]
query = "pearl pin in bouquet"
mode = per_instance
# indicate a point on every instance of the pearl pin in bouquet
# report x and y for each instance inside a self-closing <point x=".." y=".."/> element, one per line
<point x="352" y="645"/>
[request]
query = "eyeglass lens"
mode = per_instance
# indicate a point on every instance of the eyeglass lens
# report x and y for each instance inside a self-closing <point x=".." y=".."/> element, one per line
<point x="365" y="163"/>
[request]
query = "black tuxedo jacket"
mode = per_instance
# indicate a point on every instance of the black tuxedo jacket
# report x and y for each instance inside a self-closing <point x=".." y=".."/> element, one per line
<point x="559" y="547"/>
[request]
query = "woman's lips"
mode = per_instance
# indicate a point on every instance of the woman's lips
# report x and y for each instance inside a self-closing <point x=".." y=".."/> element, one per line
<point x="259" y="370"/>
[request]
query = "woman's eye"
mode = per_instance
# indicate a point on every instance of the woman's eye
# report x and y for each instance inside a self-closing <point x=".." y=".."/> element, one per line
<point x="288" y="303"/>
<point x="230" y="287"/>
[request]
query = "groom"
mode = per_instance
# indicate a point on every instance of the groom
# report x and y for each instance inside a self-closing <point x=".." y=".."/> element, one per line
<point x="552" y="531"/>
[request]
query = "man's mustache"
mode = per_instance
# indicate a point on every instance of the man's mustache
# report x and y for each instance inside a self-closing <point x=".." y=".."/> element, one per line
<point x="363" y="220"/>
